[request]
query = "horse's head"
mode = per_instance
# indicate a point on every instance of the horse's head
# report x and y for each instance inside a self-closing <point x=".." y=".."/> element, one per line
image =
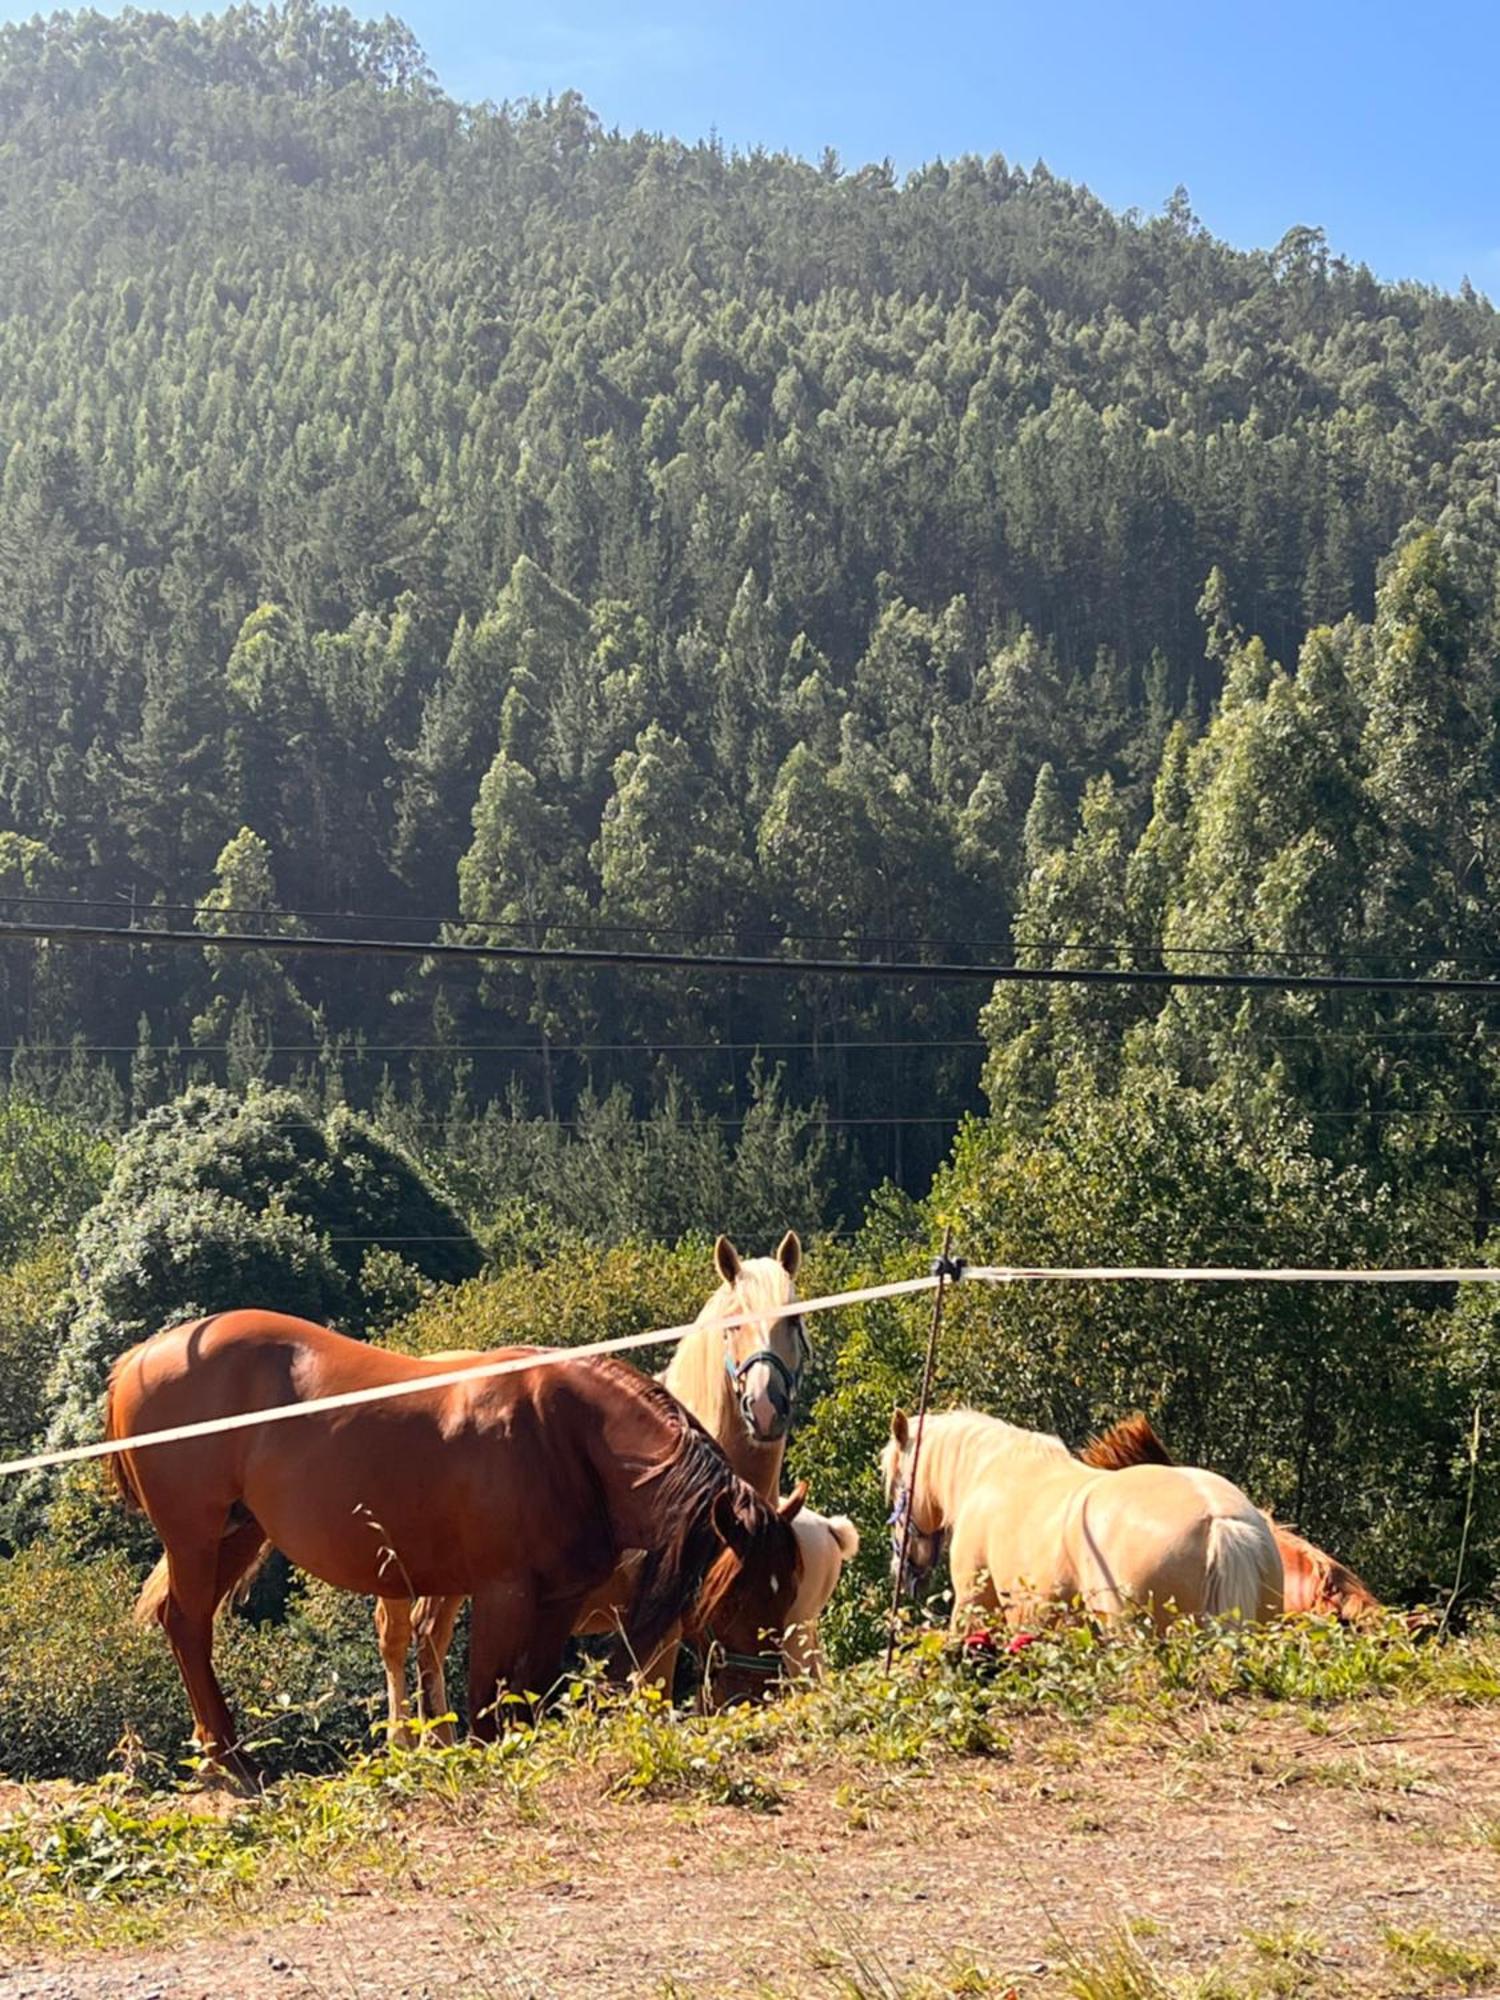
<point x="764" y="1359"/>
<point x="747" y="1606"/>
<point x="922" y="1537"/>
<point x="1318" y="1582"/>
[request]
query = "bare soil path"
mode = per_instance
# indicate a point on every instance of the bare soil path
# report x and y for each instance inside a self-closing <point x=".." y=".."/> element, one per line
<point x="1357" y="1854"/>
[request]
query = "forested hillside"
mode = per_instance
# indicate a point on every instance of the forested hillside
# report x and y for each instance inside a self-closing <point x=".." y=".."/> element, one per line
<point x="454" y="512"/>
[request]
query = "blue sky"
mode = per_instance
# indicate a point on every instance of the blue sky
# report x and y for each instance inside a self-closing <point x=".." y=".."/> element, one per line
<point x="1378" y="122"/>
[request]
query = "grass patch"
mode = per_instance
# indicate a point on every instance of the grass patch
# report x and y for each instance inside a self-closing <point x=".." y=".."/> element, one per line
<point x="1120" y="1970"/>
<point x="1443" y="1960"/>
<point x="129" y="1857"/>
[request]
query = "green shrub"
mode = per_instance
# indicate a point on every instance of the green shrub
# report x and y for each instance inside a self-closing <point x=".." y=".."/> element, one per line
<point x="31" y="1326"/>
<point x="218" y="1201"/>
<point x="51" y="1173"/>
<point x="82" y="1687"/>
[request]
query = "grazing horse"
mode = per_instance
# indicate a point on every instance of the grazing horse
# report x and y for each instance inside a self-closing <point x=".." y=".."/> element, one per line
<point x="1032" y="1526"/>
<point x="1314" y="1580"/>
<point x="521" y="1491"/>
<point x="824" y="1544"/>
<point x="740" y="1383"/>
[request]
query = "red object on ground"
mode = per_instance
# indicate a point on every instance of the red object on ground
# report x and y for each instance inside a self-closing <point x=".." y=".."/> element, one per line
<point x="982" y="1640"/>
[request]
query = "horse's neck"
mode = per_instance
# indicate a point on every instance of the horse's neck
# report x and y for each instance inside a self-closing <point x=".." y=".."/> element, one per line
<point x="958" y="1449"/>
<point x="759" y="1465"/>
<point x="697" y="1377"/>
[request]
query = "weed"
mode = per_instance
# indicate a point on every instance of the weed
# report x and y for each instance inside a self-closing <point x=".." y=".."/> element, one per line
<point x="1442" y="1958"/>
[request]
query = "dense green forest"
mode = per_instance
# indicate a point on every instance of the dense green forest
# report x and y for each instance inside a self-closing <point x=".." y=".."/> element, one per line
<point x="451" y="512"/>
<point x="434" y="520"/>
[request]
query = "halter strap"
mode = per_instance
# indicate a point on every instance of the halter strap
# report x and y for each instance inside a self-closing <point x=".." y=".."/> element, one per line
<point x="749" y="1663"/>
<point x="791" y="1378"/>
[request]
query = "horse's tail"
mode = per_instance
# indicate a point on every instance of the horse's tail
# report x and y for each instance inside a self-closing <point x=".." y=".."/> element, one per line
<point x="121" y="1471"/>
<point x="153" y="1597"/>
<point x="1243" y="1574"/>
<point x="152" y="1600"/>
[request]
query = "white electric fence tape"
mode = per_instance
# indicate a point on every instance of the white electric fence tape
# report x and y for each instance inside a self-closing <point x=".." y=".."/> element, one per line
<point x="383" y="1392"/>
<point x="993" y="1274"/>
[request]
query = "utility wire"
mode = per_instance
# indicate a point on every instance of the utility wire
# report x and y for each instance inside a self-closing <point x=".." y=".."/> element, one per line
<point x="782" y="968"/>
<point x="142" y="912"/>
<point x="338" y="1051"/>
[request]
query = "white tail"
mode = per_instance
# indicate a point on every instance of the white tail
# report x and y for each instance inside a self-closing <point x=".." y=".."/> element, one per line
<point x="1244" y="1575"/>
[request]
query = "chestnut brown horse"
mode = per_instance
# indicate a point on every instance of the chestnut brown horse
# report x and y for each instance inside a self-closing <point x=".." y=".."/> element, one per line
<point x="521" y="1491"/>
<point x="1315" y="1581"/>
<point x="741" y="1384"/>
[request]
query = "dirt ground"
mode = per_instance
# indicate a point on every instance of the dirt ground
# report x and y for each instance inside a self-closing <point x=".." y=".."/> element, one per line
<point x="1359" y="1855"/>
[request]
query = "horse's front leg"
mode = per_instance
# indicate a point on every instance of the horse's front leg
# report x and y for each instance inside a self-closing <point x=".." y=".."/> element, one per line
<point x="393" y="1636"/>
<point x="975" y="1598"/>
<point x="515" y="1652"/>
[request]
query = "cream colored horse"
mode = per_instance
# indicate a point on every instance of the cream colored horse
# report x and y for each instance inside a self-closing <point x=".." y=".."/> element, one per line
<point x="826" y="1543"/>
<point x="1033" y="1528"/>
<point x="739" y="1382"/>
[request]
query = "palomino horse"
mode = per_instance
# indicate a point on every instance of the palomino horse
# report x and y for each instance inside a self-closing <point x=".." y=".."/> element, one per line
<point x="1314" y="1580"/>
<point x="740" y="1383"/>
<point x="826" y="1542"/>
<point x="1032" y="1526"/>
<point x="521" y="1491"/>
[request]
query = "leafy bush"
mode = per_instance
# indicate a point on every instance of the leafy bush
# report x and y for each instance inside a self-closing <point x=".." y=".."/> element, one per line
<point x="584" y="1293"/>
<point x="31" y="1295"/>
<point x="219" y="1201"/>
<point x="51" y="1172"/>
<point x="82" y="1687"/>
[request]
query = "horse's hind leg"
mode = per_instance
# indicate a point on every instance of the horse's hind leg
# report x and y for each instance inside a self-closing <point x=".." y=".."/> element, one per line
<point x="187" y="1618"/>
<point x="435" y="1620"/>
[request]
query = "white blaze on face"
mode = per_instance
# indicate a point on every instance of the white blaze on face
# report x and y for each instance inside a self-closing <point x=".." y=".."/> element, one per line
<point x="763" y="1399"/>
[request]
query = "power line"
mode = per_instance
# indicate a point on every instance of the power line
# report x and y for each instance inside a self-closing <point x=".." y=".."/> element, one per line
<point x="397" y="1122"/>
<point x="337" y="1051"/>
<point x="782" y="968"/>
<point x="142" y="912"/>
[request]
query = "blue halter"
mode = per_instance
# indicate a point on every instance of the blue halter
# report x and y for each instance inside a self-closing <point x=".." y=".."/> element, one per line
<point x="785" y="1382"/>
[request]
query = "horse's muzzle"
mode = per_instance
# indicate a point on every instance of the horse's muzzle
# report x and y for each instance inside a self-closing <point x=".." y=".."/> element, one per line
<point x="765" y="1403"/>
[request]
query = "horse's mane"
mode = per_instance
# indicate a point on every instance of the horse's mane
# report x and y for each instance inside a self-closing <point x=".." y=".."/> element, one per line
<point x="695" y="1374"/>
<point x="958" y="1444"/>
<point x="955" y="1430"/>
<point x="1132" y="1441"/>
<point x="685" y="1575"/>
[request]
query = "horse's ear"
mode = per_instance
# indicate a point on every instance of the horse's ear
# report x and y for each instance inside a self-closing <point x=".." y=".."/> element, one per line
<point x="726" y="1260"/>
<point x="900" y="1430"/>
<point x="791" y="1507"/>
<point x="732" y="1530"/>
<point x="789" y="1253"/>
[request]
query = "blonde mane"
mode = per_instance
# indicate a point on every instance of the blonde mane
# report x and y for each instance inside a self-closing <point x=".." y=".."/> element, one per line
<point x="956" y="1446"/>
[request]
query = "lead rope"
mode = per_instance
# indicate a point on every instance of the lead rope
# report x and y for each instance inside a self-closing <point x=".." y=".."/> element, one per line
<point x="945" y="1269"/>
